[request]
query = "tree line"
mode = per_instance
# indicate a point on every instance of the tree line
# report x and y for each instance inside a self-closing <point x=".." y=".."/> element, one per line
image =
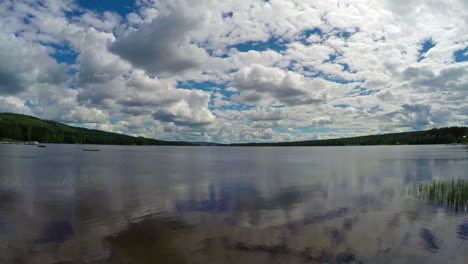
<point x="27" y="128"/>
<point x="446" y="135"/>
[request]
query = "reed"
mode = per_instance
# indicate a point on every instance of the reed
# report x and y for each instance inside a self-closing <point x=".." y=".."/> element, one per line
<point x="454" y="194"/>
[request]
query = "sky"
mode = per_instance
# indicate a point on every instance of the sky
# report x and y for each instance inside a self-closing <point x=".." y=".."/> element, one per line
<point x="237" y="71"/>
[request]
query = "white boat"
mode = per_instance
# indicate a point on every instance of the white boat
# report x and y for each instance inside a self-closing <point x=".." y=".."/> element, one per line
<point x="31" y="143"/>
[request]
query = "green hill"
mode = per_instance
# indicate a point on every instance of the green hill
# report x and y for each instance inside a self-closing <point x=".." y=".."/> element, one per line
<point x="27" y="128"/>
<point x="447" y="135"/>
<point x="17" y="127"/>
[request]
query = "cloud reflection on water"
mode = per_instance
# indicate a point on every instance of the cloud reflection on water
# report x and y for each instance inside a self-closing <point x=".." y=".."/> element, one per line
<point x="240" y="205"/>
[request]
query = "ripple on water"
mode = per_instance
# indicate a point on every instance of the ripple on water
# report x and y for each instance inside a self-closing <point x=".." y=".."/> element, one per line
<point x="430" y="240"/>
<point x="463" y="231"/>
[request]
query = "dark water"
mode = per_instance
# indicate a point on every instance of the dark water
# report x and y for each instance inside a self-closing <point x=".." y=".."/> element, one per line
<point x="228" y="205"/>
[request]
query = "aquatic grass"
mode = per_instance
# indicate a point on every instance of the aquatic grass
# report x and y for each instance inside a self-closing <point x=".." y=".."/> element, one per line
<point x="454" y="194"/>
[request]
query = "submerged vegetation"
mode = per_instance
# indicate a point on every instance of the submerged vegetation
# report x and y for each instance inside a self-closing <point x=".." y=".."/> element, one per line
<point x="171" y="240"/>
<point x="453" y="194"/>
<point x="149" y="241"/>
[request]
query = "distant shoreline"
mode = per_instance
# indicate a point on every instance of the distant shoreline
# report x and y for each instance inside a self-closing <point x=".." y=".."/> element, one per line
<point x="230" y="145"/>
<point x="17" y="128"/>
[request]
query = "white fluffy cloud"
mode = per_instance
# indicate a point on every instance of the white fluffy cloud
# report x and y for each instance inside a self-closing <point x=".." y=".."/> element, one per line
<point x="161" y="46"/>
<point x="25" y="65"/>
<point x="266" y="85"/>
<point x="243" y="70"/>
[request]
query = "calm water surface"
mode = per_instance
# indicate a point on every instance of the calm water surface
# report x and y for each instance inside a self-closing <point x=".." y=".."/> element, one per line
<point x="228" y="205"/>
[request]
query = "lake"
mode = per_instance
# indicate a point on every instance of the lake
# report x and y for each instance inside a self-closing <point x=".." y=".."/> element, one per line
<point x="126" y="204"/>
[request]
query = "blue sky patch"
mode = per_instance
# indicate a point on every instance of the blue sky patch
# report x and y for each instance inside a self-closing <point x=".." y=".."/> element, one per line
<point x="342" y="105"/>
<point x="337" y="79"/>
<point x="63" y="54"/>
<point x="357" y="90"/>
<point x="331" y="78"/>
<point x="147" y="124"/>
<point x="461" y="55"/>
<point x="317" y="130"/>
<point x="29" y="104"/>
<point x="77" y="124"/>
<point x="204" y="86"/>
<point x="278" y="106"/>
<point x="291" y="66"/>
<point x="71" y="82"/>
<point x="115" y="121"/>
<point x="228" y="14"/>
<point x="367" y="92"/>
<point x="331" y="58"/>
<point x="281" y="130"/>
<point x="27" y="19"/>
<point x="425" y="47"/>
<point x="71" y="85"/>
<point x="361" y="91"/>
<point x="211" y="53"/>
<point x="309" y="32"/>
<point x="343" y="34"/>
<point x="237" y="106"/>
<point x="274" y="43"/>
<point x="122" y="7"/>
<point x="345" y="66"/>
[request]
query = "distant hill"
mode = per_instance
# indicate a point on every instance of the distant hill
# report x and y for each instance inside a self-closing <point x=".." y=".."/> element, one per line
<point x="17" y="127"/>
<point x="27" y="128"/>
<point x="447" y="135"/>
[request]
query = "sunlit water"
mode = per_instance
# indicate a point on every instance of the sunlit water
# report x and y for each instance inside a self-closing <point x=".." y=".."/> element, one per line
<point x="228" y="205"/>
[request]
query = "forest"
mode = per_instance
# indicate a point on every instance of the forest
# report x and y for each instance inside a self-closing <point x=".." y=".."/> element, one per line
<point x="446" y="135"/>
<point x="17" y="127"/>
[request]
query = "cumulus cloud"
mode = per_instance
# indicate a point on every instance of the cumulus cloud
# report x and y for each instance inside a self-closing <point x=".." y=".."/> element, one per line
<point x="13" y="104"/>
<point x="189" y="112"/>
<point x="258" y="84"/>
<point x="453" y="78"/>
<point x="258" y="70"/>
<point x="24" y="65"/>
<point x="84" y="115"/>
<point x="160" y="47"/>
<point x="265" y="114"/>
<point x="106" y="21"/>
<point x="419" y="116"/>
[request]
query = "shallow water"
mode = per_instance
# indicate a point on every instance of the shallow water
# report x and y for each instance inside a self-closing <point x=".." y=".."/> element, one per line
<point x="228" y="205"/>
